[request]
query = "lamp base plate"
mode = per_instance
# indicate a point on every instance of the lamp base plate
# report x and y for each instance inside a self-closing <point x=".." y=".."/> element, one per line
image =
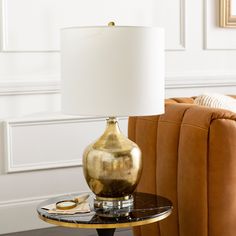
<point x="108" y="207"/>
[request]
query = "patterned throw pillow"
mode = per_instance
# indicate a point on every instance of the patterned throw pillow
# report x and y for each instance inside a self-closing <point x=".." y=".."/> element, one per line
<point x="216" y="101"/>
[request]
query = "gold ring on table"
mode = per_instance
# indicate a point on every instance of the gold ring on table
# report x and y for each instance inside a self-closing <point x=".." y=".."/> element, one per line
<point x="66" y="204"/>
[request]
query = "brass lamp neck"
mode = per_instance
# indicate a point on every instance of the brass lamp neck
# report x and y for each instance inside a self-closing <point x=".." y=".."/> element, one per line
<point x="112" y="126"/>
<point x="112" y="120"/>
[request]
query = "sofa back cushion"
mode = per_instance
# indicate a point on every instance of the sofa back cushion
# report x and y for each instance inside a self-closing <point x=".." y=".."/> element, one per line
<point x="189" y="157"/>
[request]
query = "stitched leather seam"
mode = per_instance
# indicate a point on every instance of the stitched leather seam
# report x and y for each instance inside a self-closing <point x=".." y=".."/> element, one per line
<point x="171" y="122"/>
<point x="195" y="126"/>
<point x="146" y="119"/>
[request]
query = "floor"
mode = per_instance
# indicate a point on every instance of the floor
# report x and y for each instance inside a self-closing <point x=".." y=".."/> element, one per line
<point x="59" y="231"/>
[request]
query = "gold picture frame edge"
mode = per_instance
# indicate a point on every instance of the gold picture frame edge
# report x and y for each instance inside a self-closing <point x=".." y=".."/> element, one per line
<point x="226" y="19"/>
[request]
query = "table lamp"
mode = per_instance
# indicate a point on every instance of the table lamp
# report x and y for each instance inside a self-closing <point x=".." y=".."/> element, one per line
<point x="112" y="71"/>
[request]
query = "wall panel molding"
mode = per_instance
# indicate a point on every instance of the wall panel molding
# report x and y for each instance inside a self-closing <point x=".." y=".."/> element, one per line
<point x="1" y="25"/>
<point x="182" y="27"/>
<point x="181" y="40"/>
<point x="46" y="85"/>
<point x="200" y="81"/>
<point x="183" y="24"/>
<point x="44" y="146"/>
<point x="174" y="22"/>
<point x="20" y="34"/>
<point x="24" y="87"/>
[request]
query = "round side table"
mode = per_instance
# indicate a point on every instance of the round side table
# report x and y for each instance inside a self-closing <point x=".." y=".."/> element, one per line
<point x="148" y="208"/>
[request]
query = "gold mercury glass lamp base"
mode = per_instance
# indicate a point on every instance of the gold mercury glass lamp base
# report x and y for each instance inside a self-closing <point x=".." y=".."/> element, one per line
<point x="112" y="168"/>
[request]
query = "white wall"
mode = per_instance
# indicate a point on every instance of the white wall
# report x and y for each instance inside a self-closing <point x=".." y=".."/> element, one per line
<point x="200" y="57"/>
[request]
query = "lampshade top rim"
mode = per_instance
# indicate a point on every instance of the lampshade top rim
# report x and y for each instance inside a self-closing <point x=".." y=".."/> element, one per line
<point x="106" y="26"/>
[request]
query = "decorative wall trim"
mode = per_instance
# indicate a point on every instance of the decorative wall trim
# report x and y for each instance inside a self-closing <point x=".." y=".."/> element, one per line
<point x="181" y="41"/>
<point x="3" y="18"/>
<point x="5" y="47"/>
<point x="8" y="149"/>
<point x="8" y="126"/>
<point x="4" y="34"/>
<point x="1" y="26"/>
<point x="205" y="33"/>
<point x="52" y="86"/>
<point x="33" y="86"/>
<point x="182" y="24"/>
<point x="175" y="82"/>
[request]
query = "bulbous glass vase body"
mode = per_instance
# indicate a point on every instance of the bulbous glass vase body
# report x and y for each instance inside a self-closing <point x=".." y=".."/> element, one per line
<point x="112" y="165"/>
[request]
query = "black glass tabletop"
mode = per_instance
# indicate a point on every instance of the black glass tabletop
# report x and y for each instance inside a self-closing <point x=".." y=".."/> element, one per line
<point x="148" y="208"/>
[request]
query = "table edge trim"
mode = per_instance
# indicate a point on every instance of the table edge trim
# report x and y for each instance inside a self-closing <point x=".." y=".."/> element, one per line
<point x="106" y="226"/>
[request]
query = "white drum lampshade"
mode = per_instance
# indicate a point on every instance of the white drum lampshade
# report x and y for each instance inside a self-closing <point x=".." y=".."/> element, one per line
<point x="112" y="71"/>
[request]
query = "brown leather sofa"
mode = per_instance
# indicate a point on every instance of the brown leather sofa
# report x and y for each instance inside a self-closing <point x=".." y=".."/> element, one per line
<point x="189" y="156"/>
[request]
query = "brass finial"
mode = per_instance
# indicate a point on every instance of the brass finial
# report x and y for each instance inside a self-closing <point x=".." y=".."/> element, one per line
<point x="111" y="23"/>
